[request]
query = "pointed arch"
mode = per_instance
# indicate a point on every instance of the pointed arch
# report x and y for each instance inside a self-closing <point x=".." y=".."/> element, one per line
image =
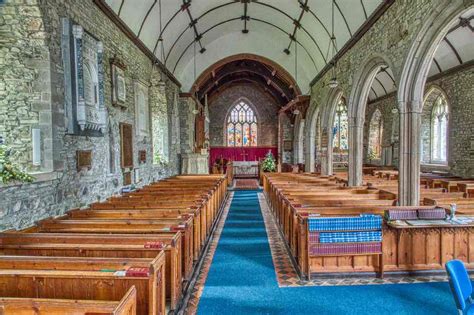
<point x="357" y="107"/>
<point x="411" y="92"/>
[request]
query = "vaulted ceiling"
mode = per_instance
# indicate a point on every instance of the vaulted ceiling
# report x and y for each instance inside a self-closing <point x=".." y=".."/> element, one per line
<point x="189" y="36"/>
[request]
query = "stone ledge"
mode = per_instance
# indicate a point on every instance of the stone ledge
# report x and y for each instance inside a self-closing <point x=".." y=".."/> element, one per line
<point x="39" y="177"/>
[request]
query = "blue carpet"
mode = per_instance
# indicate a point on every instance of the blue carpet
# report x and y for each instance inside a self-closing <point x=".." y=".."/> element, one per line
<point x="242" y="279"/>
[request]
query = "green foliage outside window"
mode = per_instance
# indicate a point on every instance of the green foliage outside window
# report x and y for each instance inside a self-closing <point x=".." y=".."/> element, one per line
<point x="9" y="171"/>
<point x="159" y="159"/>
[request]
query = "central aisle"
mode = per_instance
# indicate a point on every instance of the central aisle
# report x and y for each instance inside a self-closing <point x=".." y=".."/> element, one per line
<point x="242" y="279"/>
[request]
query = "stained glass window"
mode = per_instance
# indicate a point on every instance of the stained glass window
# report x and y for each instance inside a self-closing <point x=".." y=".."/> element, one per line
<point x="439" y="123"/>
<point x="242" y="126"/>
<point x="375" y="135"/>
<point x="340" y="128"/>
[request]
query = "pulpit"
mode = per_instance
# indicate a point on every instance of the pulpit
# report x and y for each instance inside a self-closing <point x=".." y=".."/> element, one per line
<point x="195" y="163"/>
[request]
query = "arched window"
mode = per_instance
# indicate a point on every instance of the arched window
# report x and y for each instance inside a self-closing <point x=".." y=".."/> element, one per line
<point x="439" y="129"/>
<point x="375" y="135"/>
<point x="242" y="126"/>
<point x="340" y="141"/>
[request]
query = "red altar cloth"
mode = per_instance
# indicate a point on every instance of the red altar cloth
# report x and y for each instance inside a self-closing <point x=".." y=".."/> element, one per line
<point x="240" y="153"/>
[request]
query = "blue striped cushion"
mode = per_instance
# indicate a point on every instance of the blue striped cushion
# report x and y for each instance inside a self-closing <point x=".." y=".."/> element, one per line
<point x="363" y="222"/>
<point x="350" y="237"/>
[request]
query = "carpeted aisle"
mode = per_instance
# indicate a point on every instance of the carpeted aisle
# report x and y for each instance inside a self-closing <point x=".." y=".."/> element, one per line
<point x="242" y="279"/>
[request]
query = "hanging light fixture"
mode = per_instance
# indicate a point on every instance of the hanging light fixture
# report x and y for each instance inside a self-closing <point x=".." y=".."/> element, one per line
<point x="160" y="41"/>
<point x="333" y="83"/>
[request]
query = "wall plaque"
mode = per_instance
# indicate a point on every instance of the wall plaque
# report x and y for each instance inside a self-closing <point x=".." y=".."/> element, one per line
<point x="85" y="111"/>
<point x="287" y="145"/>
<point x="127" y="178"/>
<point x="142" y="109"/>
<point x="83" y="159"/>
<point x="126" y="145"/>
<point x="119" y="88"/>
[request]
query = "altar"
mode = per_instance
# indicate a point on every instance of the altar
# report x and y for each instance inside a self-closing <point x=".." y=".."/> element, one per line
<point x="245" y="169"/>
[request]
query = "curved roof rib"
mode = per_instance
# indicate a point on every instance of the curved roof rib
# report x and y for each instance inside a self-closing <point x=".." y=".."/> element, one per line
<point x="167" y="28"/>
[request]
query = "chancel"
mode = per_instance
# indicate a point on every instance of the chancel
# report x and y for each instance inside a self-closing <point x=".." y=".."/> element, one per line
<point x="242" y="157"/>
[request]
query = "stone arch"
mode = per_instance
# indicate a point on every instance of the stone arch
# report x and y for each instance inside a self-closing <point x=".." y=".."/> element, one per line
<point x="255" y="111"/>
<point x="411" y="92"/>
<point x="363" y="81"/>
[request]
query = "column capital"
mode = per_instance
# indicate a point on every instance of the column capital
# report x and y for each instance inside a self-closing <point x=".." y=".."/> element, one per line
<point x="414" y="106"/>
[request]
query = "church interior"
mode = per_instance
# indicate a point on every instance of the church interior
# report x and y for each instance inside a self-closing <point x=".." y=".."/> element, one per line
<point x="242" y="157"/>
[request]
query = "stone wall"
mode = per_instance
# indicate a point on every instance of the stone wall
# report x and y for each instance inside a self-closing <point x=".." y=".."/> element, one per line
<point x="459" y="92"/>
<point x="32" y="89"/>
<point x="25" y="81"/>
<point x="266" y="107"/>
<point x="287" y="137"/>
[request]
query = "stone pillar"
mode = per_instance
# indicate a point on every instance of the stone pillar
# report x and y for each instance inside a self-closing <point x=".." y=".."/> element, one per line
<point x="409" y="160"/>
<point x="324" y="162"/>
<point x="280" y="142"/>
<point x="356" y="147"/>
<point x="326" y="155"/>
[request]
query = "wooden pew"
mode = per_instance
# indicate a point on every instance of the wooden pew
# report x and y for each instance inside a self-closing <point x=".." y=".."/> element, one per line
<point x="293" y="197"/>
<point x="85" y="278"/>
<point x="467" y="189"/>
<point x="200" y="224"/>
<point x="163" y="226"/>
<point x="100" y="245"/>
<point x="184" y="207"/>
<point x="452" y="185"/>
<point x="32" y="306"/>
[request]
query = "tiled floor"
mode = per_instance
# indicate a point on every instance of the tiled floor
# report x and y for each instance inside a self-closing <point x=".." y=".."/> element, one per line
<point x="250" y="184"/>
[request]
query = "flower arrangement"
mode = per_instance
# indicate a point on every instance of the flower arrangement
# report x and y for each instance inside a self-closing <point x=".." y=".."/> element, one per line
<point x="269" y="163"/>
<point x="9" y="171"/>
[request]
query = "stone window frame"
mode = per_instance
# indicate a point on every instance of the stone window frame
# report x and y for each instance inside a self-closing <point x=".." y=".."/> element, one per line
<point x="379" y="148"/>
<point x="344" y="109"/>
<point x="142" y="87"/>
<point x="432" y="97"/>
<point x="439" y="112"/>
